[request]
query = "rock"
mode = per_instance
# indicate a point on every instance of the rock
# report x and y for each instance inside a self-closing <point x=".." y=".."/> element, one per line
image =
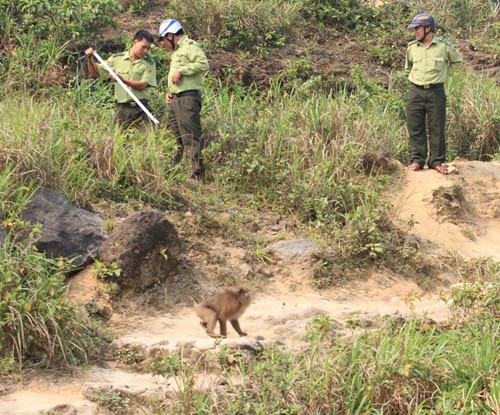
<point x="413" y="240"/>
<point x="3" y="235"/>
<point x="293" y="248"/>
<point x="145" y="247"/>
<point x="452" y="170"/>
<point x="67" y="231"/>
<point x="380" y="162"/>
<point x="246" y="271"/>
<point x="62" y="409"/>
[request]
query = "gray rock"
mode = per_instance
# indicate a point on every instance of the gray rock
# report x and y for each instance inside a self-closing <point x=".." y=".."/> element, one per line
<point x="62" y="409"/>
<point x="67" y="231"/>
<point x="298" y="248"/>
<point x="145" y="247"/>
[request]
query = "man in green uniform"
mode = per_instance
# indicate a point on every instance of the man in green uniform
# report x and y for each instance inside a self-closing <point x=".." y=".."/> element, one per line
<point x="137" y="71"/>
<point x="430" y="60"/>
<point x="185" y="80"/>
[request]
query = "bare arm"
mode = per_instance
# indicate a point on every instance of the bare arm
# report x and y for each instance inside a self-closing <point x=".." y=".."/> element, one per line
<point x="93" y="72"/>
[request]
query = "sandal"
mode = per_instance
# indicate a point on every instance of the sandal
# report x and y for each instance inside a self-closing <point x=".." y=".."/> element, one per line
<point x="414" y="167"/>
<point x="441" y="169"/>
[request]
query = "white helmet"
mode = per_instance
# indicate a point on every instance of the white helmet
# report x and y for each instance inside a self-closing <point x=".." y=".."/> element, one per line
<point x="168" y="26"/>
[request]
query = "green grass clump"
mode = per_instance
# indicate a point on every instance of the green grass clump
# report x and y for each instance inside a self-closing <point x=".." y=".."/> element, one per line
<point x="410" y="366"/>
<point x="60" y="143"/>
<point x="37" y="324"/>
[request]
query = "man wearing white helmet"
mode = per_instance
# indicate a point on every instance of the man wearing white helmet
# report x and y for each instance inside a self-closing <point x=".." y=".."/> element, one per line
<point x="430" y="61"/>
<point x="185" y="81"/>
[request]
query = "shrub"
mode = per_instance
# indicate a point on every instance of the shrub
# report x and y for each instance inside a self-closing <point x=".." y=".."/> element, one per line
<point x="68" y="19"/>
<point x="36" y="322"/>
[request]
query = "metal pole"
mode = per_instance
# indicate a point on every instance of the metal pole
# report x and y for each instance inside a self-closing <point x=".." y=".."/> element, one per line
<point x="126" y="88"/>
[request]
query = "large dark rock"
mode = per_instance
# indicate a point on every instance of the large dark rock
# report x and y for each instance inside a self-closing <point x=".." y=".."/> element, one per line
<point x="145" y="247"/>
<point x="67" y="231"/>
<point x="3" y="235"/>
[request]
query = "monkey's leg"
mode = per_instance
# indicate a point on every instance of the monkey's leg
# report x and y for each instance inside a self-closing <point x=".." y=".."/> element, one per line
<point x="236" y="326"/>
<point x="223" y="328"/>
<point x="211" y="319"/>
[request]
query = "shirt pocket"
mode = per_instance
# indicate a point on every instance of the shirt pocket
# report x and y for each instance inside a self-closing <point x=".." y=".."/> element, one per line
<point x="138" y="73"/>
<point x="417" y="63"/>
<point x="438" y="64"/>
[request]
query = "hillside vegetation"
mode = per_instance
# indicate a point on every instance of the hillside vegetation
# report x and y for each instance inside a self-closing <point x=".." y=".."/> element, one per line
<point x="303" y="109"/>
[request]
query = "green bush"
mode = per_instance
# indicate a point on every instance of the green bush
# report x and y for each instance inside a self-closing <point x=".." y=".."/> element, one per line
<point x="67" y="19"/>
<point x="37" y="325"/>
<point x="474" y="114"/>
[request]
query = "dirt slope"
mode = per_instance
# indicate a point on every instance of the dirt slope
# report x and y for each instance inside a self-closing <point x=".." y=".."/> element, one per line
<point x="459" y="213"/>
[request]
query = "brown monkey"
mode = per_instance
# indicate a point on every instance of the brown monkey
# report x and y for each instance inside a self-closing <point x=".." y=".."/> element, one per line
<point x="228" y="305"/>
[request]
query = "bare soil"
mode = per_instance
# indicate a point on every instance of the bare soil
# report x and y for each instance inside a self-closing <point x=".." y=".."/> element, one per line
<point x="466" y="225"/>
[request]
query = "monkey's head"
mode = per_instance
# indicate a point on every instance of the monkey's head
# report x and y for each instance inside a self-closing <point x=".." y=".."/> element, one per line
<point x="244" y="296"/>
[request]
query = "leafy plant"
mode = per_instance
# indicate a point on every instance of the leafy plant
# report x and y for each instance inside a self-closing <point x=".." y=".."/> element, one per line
<point x="72" y="19"/>
<point x="36" y="322"/>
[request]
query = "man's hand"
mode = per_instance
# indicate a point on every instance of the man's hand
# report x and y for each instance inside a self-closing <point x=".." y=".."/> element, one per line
<point x="168" y="97"/>
<point x="89" y="52"/>
<point x="119" y="76"/>
<point x="176" y="77"/>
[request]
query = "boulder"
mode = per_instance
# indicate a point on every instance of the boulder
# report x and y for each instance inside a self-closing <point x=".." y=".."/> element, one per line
<point x="297" y="248"/>
<point x="67" y="231"/>
<point x="145" y="247"/>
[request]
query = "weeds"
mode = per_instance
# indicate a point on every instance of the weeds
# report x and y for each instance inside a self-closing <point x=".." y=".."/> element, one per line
<point x="37" y="325"/>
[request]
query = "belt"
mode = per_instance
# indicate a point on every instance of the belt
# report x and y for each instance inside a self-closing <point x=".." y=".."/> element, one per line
<point x="429" y="86"/>
<point x="191" y="92"/>
<point x="133" y="103"/>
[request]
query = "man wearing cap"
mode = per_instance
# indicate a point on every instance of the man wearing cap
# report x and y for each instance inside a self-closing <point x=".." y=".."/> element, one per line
<point x="137" y="71"/>
<point x="430" y="60"/>
<point x="185" y="80"/>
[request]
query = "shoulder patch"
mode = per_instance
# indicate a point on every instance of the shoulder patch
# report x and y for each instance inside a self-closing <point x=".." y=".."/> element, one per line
<point x="119" y="54"/>
<point x="148" y="59"/>
<point x="444" y="41"/>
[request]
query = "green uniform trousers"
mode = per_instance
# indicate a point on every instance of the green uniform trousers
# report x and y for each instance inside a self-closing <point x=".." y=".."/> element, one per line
<point x="183" y="119"/>
<point x="127" y="115"/>
<point x="422" y="103"/>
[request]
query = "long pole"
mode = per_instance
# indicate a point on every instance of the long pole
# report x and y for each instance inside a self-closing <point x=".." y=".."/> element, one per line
<point x="126" y="88"/>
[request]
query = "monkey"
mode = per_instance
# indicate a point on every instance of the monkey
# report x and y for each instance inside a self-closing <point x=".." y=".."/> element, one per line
<point x="228" y="305"/>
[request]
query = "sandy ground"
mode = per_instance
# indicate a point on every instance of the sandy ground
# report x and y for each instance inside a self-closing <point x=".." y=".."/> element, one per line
<point x="467" y="226"/>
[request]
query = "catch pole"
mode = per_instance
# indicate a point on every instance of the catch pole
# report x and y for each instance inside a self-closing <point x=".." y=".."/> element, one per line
<point x="126" y="88"/>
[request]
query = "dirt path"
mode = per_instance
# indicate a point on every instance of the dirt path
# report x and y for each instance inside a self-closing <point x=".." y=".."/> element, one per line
<point x="459" y="213"/>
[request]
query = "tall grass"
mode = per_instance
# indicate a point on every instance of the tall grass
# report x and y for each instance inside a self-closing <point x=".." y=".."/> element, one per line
<point x="37" y="325"/>
<point x="238" y="23"/>
<point x="474" y="128"/>
<point x="413" y="366"/>
<point x="74" y="147"/>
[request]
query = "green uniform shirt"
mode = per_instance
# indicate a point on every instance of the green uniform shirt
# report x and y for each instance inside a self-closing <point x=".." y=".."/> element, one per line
<point x="190" y="58"/>
<point x="431" y="65"/>
<point x="141" y="70"/>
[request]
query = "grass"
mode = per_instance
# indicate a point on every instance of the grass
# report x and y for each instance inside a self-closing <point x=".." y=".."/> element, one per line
<point x="412" y="367"/>
<point x="292" y="148"/>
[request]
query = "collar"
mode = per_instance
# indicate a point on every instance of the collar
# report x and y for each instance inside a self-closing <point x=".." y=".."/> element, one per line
<point x="183" y="40"/>
<point x="434" y="40"/>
